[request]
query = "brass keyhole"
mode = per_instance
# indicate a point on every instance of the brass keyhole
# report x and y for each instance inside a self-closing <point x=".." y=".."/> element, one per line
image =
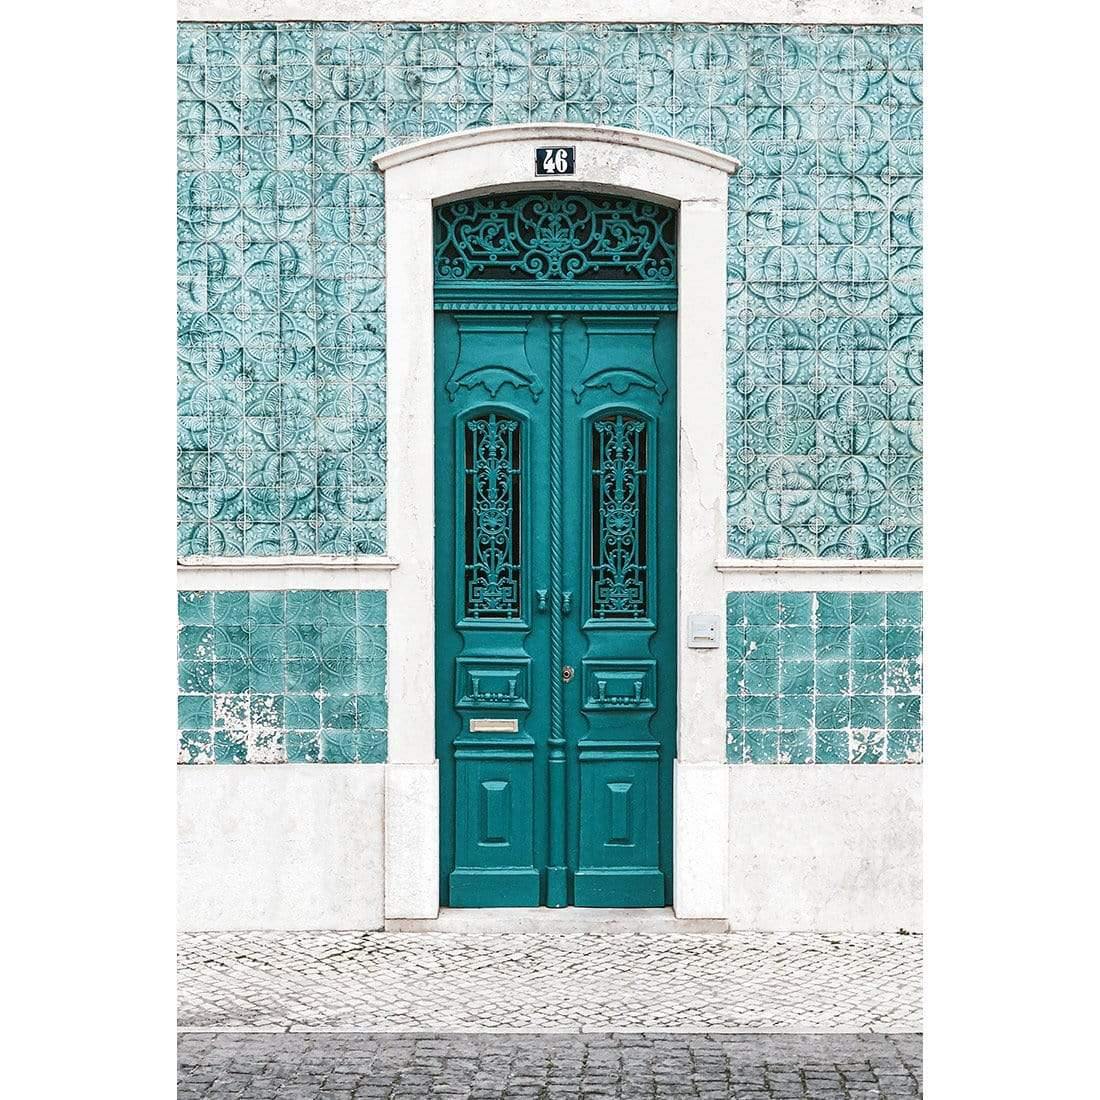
<point x="566" y="673"/>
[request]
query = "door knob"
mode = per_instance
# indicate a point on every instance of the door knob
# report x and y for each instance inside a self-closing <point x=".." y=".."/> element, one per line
<point x="566" y="673"/>
<point x="566" y="602"/>
<point x="541" y="593"/>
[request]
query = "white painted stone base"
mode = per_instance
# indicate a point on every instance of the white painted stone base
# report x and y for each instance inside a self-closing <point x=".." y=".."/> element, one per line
<point x="701" y="814"/>
<point x="412" y="840"/>
<point x="825" y="847"/>
<point x="280" y="846"/>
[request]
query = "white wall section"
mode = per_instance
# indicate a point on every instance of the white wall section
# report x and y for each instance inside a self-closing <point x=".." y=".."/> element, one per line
<point x="286" y="846"/>
<point x="563" y="11"/>
<point x="825" y="847"/>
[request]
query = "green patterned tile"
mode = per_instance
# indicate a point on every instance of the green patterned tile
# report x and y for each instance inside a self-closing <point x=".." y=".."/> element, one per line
<point x="867" y="746"/>
<point x="833" y="677"/>
<point x="796" y="747"/>
<point x="761" y="747"/>
<point x="831" y="747"/>
<point x="796" y="677"/>
<point x="196" y="712"/>
<point x="195" y="609"/>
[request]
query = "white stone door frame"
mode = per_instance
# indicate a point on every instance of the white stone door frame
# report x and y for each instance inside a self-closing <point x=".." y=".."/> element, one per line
<point x="498" y="158"/>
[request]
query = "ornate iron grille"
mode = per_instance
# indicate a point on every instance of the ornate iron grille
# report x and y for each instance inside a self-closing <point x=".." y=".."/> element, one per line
<point x="556" y="237"/>
<point x="619" y="517"/>
<point x="493" y="545"/>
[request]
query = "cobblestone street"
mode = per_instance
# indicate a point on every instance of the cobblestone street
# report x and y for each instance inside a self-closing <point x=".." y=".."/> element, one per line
<point x="282" y="1015"/>
<point x="549" y="1067"/>
<point x="541" y="982"/>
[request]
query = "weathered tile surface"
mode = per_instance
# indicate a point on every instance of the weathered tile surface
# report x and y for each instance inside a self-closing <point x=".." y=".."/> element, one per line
<point x="824" y="677"/>
<point x="281" y="267"/>
<point x="271" y="677"/>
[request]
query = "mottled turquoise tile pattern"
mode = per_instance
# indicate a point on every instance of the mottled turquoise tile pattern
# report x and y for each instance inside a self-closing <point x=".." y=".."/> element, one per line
<point x="276" y="677"/>
<point x="824" y="677"/>
<point x="281" y="295"/>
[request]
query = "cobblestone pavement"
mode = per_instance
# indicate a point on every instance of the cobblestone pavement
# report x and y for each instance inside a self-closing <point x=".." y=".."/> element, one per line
<point x="528" y="982"/>
<point x="549" y="1067"/>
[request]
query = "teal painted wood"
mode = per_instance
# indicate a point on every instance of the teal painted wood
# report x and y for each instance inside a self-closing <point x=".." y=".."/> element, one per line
<point x="556" y="591"/>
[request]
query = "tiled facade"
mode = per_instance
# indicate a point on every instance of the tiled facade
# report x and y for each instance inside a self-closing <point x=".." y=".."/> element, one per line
<point x="282" y="429"/>
<point x="274" y="677"/>
<point x="282" y="338"/>
<point x="824" y="677"/>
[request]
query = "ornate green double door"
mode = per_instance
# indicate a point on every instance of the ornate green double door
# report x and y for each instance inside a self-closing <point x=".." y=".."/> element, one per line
<point x="555" y="493"/>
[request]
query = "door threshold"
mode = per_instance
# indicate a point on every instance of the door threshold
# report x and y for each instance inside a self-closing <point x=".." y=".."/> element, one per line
<point x="559" y="921"/>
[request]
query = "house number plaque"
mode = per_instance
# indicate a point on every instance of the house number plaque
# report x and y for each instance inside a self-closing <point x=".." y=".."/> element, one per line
<point x="556" y="160"/>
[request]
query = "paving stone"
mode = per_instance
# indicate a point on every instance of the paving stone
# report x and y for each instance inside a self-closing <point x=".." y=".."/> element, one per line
<point x="394" y="1066"/>
<point x="394" y="982"/>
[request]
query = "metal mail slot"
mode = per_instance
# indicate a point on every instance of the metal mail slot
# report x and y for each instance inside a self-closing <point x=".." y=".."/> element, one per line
<point x="494" y="725"/>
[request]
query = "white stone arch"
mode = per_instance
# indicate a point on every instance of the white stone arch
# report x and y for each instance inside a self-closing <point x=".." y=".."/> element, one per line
<point x="696" y="181"/>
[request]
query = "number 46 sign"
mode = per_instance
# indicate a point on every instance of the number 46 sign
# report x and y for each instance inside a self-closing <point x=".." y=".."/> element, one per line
<point x="555" y="160"/>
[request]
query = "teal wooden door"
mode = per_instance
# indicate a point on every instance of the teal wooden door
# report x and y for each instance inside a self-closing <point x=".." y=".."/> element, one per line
<point x="555" y="431"/>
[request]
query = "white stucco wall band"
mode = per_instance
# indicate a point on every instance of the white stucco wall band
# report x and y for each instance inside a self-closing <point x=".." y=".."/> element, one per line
<point x="825" y="847"/>
<point x="299" y="846"/>
<point x="557" y="11"/>
<point x="288" y="846"/>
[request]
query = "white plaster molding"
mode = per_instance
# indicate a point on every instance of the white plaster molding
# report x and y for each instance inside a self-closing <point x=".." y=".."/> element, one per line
<point x="280" y="846"/>
<point x="559" y="11"/>
<point x="825" y="847"/>
<point x="474" y="162"/>
<point x="364" y="562"/>
<point x="822" y="574"/>
<point x="273" y="574"/>
<point x="534" y="132"/>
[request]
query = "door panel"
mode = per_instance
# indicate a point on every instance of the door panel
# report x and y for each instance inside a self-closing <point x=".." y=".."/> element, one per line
<point x="491" y="726"/>
<point x="555" y="502"/>
<point x="623" y="562"/>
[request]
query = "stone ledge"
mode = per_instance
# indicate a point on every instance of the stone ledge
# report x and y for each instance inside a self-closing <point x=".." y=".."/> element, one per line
<point x="559" y="920"/>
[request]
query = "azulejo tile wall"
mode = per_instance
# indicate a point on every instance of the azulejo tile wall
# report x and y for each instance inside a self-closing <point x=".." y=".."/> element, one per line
<point x="281" y="334"/>
<point x="274" y="677"/>
<point x="824" y="677"/>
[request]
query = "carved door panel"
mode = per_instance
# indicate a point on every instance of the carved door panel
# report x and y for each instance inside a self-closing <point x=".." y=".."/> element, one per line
<point x="555" y="596"/>
<point x="491" y="444"/>
<point x="621" y="633"/>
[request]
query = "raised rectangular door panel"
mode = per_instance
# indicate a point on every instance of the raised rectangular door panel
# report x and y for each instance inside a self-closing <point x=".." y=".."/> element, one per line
<point x="619" y="856"/>
<point x="494" y="843"/>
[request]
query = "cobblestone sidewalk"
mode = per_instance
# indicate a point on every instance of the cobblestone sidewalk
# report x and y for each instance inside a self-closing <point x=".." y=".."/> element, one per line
<point x="583" y="982"/>
<point x="550" y="1067"/>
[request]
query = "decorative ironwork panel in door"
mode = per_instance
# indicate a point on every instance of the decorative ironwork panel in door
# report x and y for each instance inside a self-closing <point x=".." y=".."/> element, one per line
<point x="555" y="415"/>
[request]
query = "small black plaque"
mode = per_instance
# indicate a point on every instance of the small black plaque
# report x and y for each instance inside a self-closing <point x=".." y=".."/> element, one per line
<point x="556" y="160"/>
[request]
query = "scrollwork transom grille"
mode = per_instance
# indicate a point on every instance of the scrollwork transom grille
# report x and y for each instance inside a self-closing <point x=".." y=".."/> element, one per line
<point x="619" y="517"/>
<point x="492" y="520"/>
<point x="556" y="237"/>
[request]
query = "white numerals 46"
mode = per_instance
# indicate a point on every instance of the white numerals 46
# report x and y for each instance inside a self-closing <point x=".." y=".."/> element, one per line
<point x="554" y="160"/>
